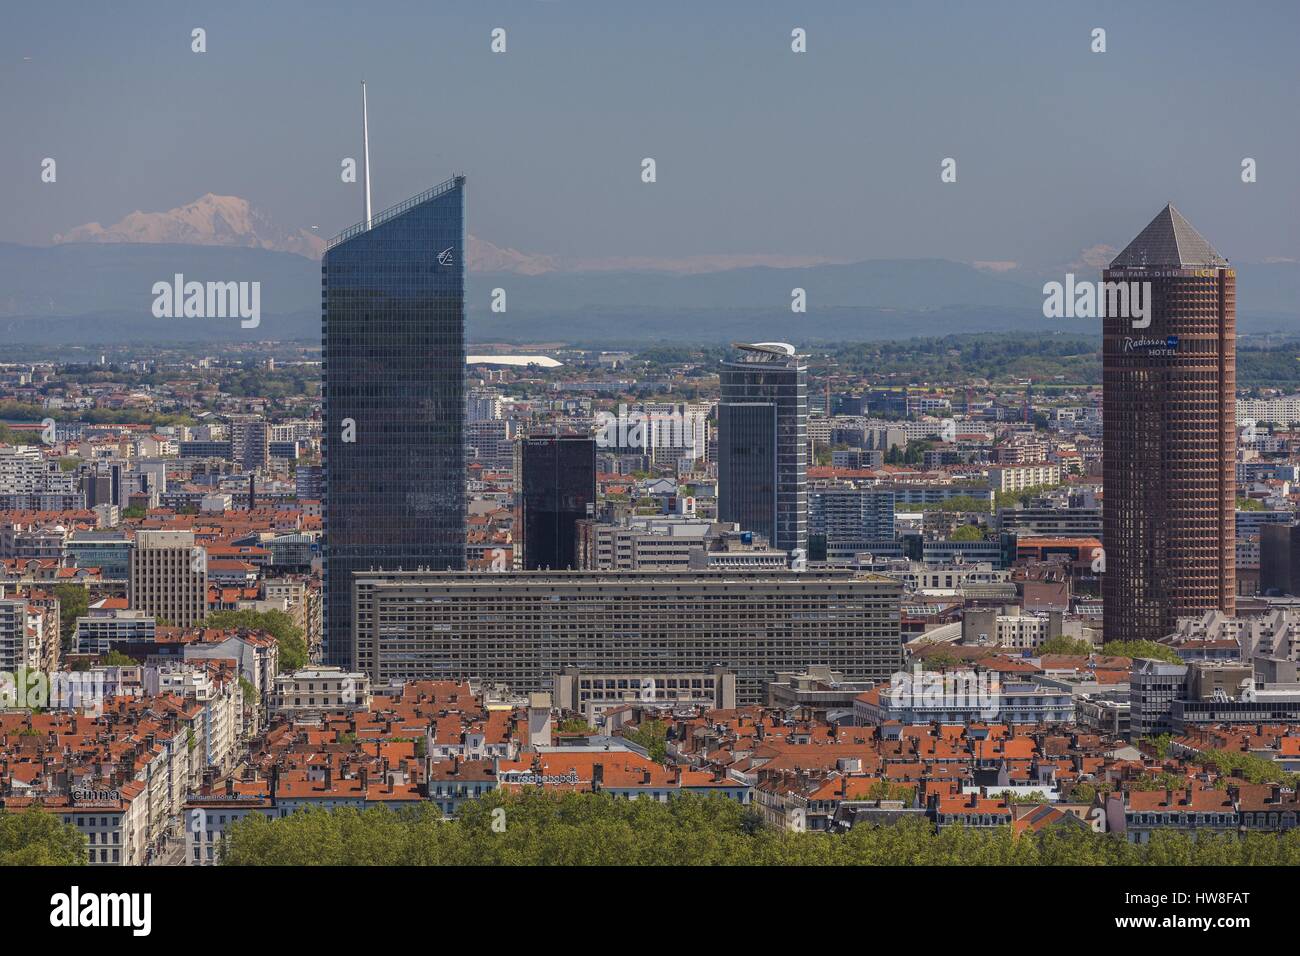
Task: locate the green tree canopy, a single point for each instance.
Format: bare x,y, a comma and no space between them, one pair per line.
545,828
1159,652
1067,646
293,646
74,600
652,735
33,837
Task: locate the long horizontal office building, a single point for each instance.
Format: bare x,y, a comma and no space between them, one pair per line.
1052,522
523,627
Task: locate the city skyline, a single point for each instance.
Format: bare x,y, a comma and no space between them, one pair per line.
849,468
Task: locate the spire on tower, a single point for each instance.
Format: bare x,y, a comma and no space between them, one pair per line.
365,140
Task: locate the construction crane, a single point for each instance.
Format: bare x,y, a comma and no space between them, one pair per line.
825,365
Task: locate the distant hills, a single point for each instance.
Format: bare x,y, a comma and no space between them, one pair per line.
76,279
229,221
100,292
210,220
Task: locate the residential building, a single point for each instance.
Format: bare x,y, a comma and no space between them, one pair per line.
318,690
1020,477
169,577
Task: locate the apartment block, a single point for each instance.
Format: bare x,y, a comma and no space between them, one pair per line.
102,631
317,690
1020,477
169,577
520,628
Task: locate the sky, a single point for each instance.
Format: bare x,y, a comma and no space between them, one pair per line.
831,153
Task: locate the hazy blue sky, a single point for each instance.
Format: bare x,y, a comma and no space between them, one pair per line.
832,153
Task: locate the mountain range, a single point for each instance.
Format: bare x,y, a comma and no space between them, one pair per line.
93,285
213,220
209,220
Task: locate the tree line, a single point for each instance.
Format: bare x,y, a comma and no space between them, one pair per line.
537,828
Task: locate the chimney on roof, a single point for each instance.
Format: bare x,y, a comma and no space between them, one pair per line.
275,782
597,777
1169,796
329,775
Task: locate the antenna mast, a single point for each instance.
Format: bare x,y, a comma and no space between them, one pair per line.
365,139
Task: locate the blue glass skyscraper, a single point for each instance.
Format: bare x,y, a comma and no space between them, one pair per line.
763,443
393,330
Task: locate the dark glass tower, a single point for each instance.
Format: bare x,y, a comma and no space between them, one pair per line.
393,377
763,444
558,486
1169,445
